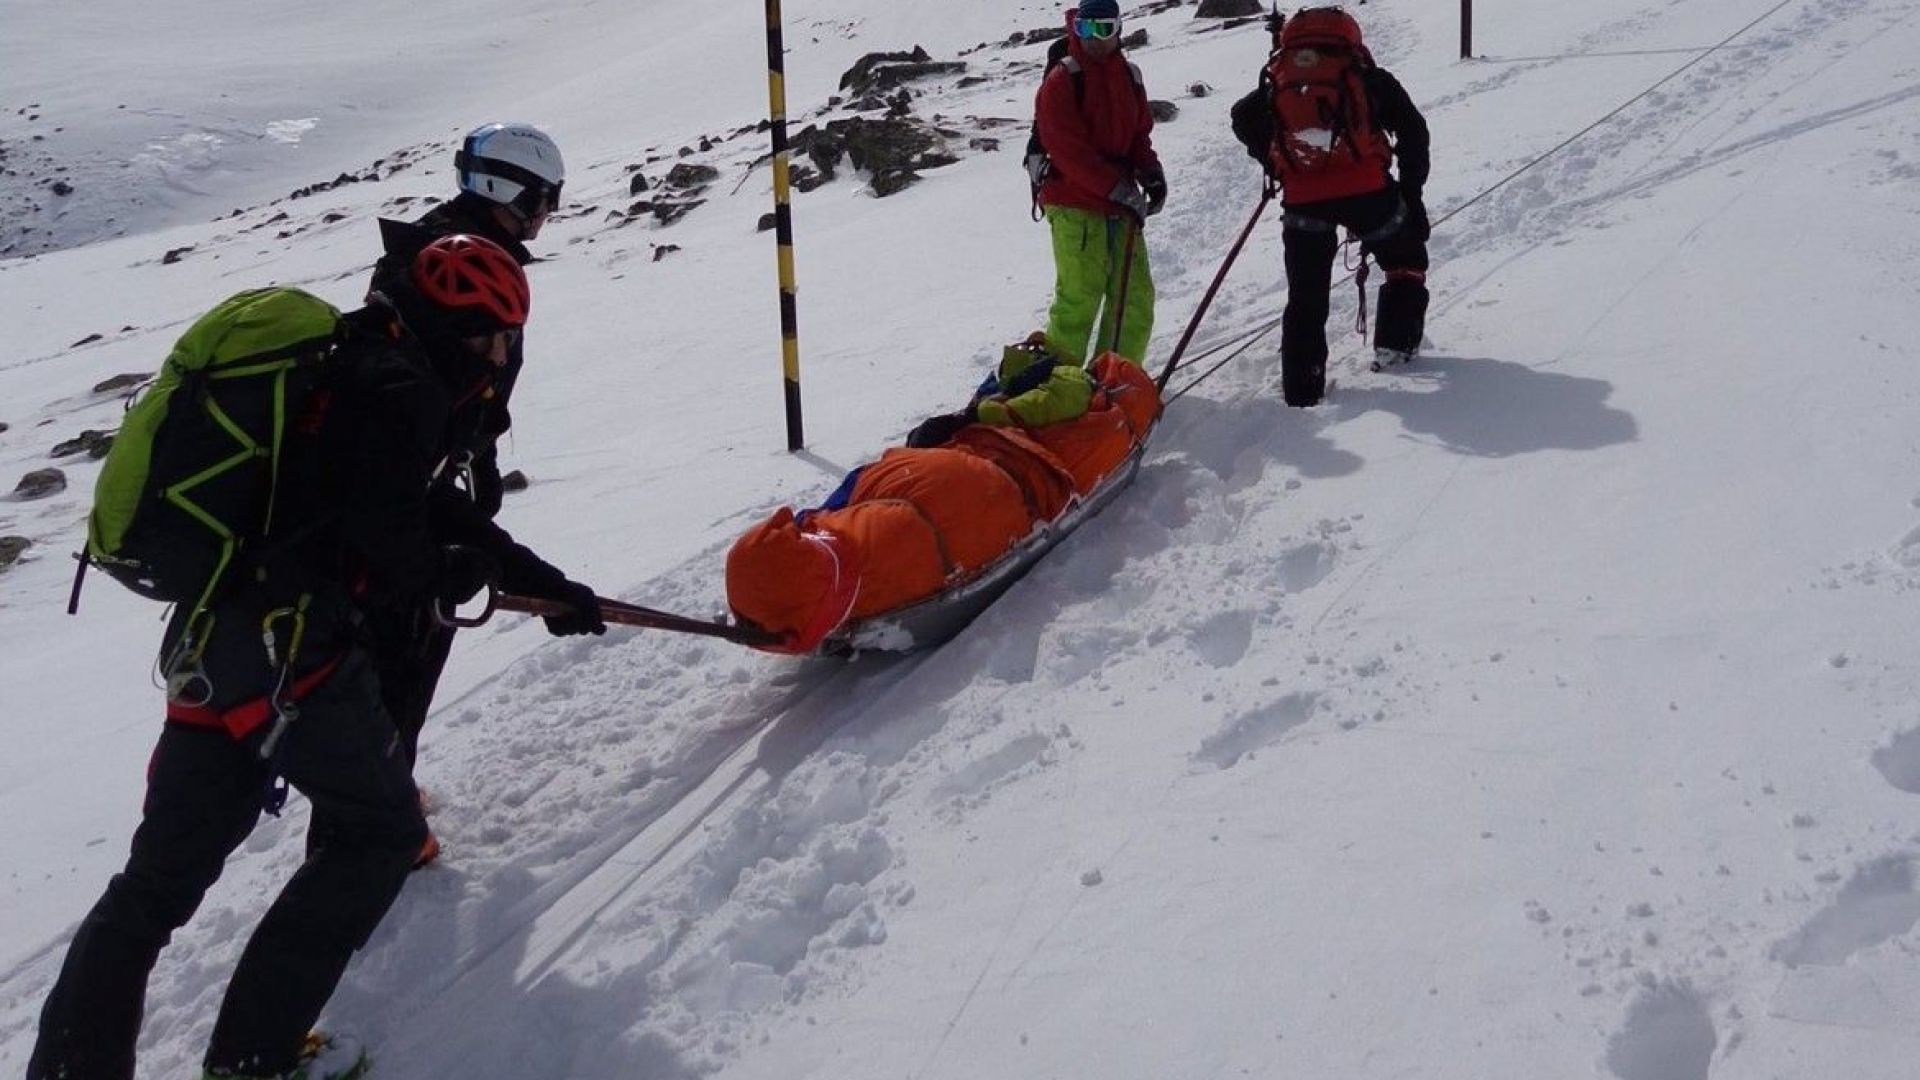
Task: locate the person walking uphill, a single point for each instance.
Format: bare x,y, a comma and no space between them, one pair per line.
1328,125
1102,183
270,678
509,178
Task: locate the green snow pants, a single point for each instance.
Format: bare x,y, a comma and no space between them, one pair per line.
1087,250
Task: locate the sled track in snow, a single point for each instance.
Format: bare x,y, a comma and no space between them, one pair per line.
559,915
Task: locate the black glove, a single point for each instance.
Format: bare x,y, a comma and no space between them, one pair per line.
585,617
1129,196
1153,184
464,571
1417,225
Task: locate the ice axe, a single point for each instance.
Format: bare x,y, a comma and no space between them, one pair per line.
619,613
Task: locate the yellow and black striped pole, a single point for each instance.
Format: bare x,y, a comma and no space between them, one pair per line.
783,223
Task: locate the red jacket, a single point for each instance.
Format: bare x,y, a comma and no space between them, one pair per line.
1096,137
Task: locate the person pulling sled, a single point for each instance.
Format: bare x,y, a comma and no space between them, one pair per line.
1328,125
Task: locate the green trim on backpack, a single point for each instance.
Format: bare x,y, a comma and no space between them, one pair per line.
193,475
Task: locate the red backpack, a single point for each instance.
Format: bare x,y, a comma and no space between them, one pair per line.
1326,143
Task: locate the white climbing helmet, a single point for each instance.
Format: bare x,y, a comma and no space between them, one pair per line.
515,165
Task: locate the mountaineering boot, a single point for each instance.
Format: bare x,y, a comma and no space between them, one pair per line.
323,1057
429,848
1385,358
1303,384
429,851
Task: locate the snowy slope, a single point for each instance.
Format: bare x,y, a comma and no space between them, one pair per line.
1546,710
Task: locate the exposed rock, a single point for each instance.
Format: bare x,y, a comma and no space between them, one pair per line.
1163,111
767,221
664,250
173,255
11,548
685,177
892,76
1135,40
3,427
88,340
62,188
514,481
806,179
1228,9
855,77
983,144
893,181
94,444
879,145
644,206
121,382
669,212
1035,37
639,184
1199,89
823,147
332,217
40,483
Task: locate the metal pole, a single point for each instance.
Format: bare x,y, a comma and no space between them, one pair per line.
1206,301
1126,278
1466,29
783,224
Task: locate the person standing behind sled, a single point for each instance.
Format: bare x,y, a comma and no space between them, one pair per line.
1100,181
1327,124
353,533
510,177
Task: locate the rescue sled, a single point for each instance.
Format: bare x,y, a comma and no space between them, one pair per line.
933,621
920,541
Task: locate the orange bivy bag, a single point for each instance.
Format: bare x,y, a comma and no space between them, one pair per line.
918,522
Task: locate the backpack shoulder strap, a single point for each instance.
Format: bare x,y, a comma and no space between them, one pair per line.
1079,76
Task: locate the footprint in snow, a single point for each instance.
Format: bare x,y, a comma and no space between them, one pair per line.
1907,551
1667,1035
1250,731
1878,903
1899,761
1222,639
1305,565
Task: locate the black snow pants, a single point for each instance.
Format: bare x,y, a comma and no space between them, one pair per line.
1311,238
411,650
203,797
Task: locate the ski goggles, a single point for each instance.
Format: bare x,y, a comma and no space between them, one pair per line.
1099,29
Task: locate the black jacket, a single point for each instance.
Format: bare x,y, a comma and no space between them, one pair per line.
476,453
362,519
1392,109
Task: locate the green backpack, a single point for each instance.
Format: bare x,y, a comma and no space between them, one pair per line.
192,477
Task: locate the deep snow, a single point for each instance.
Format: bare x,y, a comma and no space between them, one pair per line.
1545,710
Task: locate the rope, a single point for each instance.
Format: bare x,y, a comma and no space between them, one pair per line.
1263,329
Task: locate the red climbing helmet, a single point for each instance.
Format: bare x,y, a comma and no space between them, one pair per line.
473,277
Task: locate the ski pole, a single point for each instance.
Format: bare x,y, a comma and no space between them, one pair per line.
1206,301
1126,276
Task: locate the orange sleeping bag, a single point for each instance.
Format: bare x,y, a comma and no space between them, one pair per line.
920,521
